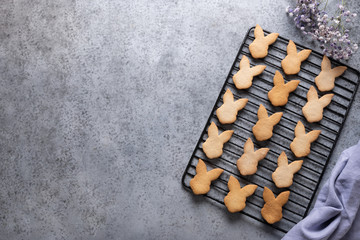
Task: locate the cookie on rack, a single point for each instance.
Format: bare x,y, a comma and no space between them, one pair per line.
259,47
248,162
236,198
301,144
213,146
325,81
279,94
263,129
243,78
200,184
313,109
272,210
228,111
292,62
284,173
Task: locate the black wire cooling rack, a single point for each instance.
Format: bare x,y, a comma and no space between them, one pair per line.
307,180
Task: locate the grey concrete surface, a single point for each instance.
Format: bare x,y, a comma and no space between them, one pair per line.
101,105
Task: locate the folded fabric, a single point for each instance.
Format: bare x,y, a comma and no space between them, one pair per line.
336,212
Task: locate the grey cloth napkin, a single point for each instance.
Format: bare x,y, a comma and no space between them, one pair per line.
336,212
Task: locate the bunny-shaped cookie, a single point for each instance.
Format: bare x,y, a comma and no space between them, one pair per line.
284,173
236,198
200,184
228,111
292,62
263,129
213,146
301,144
259,47
313,109
272,210
243,78
279,94
248,162
325,81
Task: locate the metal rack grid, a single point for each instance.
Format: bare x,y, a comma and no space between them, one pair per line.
307,180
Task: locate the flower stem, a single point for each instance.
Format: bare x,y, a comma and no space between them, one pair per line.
325,5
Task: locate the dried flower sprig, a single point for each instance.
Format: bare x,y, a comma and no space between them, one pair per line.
331,32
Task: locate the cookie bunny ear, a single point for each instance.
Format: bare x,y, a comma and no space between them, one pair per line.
313,135
228,96
262,113
292,85
201,167
278,79
268,195
337,71
299,129
225,136
312,94
214,174
249,146
258,69
261,153
282,160
271,38
275,118
326,99
304,54
233,184
244,62
325,64
258,33
282,198
241,103
249,190
291,48
213,130
295,166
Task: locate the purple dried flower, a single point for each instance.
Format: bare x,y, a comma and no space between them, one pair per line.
328,30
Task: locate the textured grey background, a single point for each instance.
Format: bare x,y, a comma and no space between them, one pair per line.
101,105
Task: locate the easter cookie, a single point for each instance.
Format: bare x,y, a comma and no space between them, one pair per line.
248,162
213,146
301,144
292,62
279,94
325,81
228,111
259,47
284,173
243,78
200,184
263,129
313,109
272,210
236,198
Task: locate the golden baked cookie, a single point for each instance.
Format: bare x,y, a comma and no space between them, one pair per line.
272,210
200,184
243,78
313,109
236,198
228,111
325,81
301,144
263,129
292,62
213,146
248,162
279,94
284,173
259,47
